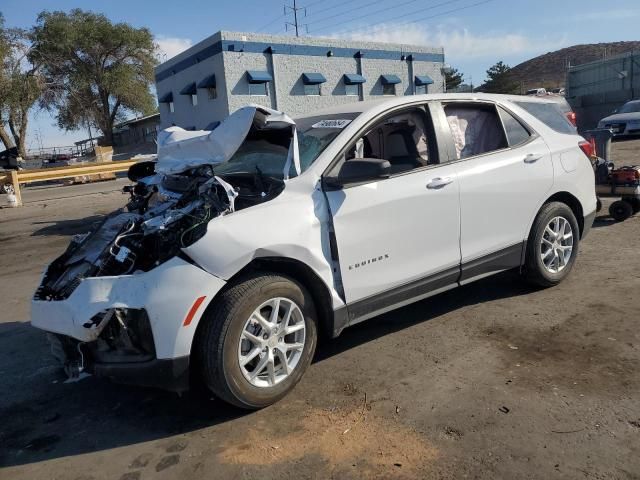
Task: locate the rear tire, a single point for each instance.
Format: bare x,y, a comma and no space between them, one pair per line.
635,204
620,210
224,341
552,246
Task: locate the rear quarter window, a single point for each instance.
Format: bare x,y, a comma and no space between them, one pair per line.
550,114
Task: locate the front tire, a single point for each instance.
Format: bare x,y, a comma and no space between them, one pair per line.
258,340
552,246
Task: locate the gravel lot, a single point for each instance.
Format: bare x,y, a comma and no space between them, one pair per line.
492,380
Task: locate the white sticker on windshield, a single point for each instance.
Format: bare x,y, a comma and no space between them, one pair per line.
331,124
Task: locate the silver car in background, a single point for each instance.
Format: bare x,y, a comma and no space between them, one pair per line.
625,121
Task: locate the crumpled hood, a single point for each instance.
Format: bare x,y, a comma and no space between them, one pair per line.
621,117
180,150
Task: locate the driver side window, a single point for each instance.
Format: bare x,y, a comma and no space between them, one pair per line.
405,139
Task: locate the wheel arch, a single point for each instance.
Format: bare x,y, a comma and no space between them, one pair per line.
290,267
572,202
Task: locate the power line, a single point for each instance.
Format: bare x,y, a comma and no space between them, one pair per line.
388,20
309,5
393,7
295,9
343,3
281,16
445,13
346,11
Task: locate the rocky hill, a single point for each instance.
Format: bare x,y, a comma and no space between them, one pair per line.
550,69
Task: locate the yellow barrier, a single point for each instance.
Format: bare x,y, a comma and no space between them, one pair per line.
16,178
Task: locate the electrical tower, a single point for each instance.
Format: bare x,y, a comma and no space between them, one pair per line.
295,9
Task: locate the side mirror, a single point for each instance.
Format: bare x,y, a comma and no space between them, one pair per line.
358,170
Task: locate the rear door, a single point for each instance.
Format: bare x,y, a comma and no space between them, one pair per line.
397,238
504,170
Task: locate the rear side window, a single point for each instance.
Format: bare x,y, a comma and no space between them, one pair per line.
550,114
516,132
476,128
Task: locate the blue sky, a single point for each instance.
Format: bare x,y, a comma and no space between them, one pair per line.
473,38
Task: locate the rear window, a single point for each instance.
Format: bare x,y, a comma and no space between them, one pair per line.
517,134
550,114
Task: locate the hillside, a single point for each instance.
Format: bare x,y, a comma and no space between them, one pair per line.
549,70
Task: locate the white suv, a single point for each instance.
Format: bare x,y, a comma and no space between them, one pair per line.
240,245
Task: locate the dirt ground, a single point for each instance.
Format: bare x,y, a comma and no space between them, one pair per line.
494,380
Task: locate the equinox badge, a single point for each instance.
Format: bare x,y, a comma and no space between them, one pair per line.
369,261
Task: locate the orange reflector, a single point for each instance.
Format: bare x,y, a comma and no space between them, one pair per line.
193,310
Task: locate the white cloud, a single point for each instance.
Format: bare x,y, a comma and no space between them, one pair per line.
459,43
171,46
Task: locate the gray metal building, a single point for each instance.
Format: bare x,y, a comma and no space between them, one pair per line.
595,89
228,70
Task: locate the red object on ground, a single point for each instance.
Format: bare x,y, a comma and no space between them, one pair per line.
625,176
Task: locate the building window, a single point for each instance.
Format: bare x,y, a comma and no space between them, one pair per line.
213,94
389,89
352,89
194,99
171,108
312,90
258,89
421,89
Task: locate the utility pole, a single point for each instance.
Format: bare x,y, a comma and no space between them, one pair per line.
295,10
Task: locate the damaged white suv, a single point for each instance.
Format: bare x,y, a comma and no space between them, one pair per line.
238,246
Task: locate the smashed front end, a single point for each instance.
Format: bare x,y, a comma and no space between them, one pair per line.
123,301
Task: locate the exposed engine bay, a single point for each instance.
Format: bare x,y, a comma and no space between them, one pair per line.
174,198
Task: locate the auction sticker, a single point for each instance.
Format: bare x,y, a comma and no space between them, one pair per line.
331,124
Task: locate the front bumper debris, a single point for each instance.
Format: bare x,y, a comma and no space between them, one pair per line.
166,293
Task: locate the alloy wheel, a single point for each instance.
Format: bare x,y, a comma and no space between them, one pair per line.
272,342
556,244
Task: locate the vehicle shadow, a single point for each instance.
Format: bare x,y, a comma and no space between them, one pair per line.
603,221
44,418
503,285
67,227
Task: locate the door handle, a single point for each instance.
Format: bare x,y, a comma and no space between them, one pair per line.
532,157
439,182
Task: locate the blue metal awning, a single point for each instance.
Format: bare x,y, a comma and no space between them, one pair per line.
208,82
389,79
313,78
166,98
423,80
256,76
353,78
189,89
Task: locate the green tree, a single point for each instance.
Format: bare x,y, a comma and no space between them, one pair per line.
4,84
500,80
21,85
98,70
453,78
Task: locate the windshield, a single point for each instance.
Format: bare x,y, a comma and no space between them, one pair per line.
266,150
630,107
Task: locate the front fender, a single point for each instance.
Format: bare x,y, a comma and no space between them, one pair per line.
292,226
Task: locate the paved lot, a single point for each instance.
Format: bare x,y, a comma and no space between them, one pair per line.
492,380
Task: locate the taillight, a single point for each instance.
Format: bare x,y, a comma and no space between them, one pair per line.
571,116
589,148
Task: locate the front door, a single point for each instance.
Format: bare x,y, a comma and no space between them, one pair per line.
397,238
